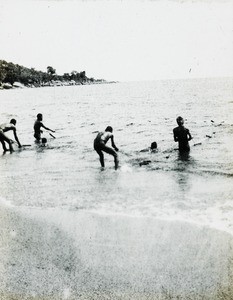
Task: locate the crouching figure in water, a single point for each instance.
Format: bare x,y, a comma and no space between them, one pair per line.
100,146
3,138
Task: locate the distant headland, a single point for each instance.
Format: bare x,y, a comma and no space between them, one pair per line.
16,76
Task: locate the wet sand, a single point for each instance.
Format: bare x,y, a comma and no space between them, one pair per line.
76,255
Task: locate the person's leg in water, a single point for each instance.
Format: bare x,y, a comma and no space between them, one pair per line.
37,137
3,138
3,146
113,153
100,155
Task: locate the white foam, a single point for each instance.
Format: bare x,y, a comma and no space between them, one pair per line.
66,293
5,202
126,169
13,233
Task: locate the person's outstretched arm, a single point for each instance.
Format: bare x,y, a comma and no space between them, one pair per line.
16,138
189,136
42,125
113,144
175,136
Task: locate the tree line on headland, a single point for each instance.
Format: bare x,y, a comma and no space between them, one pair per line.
14,75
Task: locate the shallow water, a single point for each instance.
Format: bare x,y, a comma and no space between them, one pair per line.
67,175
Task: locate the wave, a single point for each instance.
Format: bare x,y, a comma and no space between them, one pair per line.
170,165
214,172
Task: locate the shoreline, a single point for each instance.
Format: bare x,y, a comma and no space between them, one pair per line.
18,85
65,255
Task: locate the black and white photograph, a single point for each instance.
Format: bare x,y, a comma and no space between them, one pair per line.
116,153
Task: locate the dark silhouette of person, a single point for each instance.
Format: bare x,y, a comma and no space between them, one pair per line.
3,138
182,135
37,128
100,146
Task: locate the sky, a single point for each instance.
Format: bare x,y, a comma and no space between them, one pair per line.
120,40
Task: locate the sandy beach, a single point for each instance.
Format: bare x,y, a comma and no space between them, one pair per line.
53,254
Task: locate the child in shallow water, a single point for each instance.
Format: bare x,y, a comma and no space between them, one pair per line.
43,142
3,138
182,135
37,128
152,148
100,146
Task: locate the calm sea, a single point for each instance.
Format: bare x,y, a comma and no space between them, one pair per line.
66,174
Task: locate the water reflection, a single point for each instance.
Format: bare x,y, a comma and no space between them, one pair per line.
184,156
183,167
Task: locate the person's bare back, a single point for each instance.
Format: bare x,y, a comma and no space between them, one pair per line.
182,135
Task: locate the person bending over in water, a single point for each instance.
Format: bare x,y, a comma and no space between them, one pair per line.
3,138
100,146
182,135
37,127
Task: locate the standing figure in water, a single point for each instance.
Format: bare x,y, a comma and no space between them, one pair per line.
37,127
182,135
3,138
100,146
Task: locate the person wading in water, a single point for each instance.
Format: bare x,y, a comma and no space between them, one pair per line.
100,146
182,135
37,127
3,138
